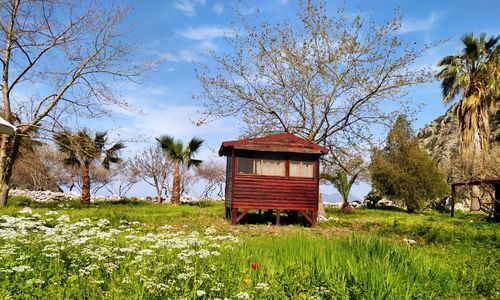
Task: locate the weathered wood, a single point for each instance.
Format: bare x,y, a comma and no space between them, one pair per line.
234,215
240,216
229,181
250,191
275,193
307,216
314,216
283,142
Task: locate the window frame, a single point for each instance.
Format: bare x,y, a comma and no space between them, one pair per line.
287,157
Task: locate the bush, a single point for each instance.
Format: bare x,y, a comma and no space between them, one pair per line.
402,171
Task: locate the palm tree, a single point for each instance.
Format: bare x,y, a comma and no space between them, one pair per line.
343,184
180,154
475,76
82,150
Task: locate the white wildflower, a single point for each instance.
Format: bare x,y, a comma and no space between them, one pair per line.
242,295
26,211
22,269
103,222
63,219
200,293
210,230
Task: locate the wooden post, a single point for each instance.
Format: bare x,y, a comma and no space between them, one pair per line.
314,214
452,200
278,217
260,215
234,215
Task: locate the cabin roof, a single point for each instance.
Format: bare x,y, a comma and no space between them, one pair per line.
282,142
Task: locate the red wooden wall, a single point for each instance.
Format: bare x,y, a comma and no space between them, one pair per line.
272,192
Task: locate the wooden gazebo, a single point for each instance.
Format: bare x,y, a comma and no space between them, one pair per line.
276,173
493,208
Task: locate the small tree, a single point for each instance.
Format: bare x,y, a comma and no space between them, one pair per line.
213,174
123,178
82,150
343,184
152,167
403,171
180,154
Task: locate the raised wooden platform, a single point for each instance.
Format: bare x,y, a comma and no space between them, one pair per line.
235,215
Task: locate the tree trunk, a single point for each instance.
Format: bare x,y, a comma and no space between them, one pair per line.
176,188
4,184
321,206
158,196
158,190
346,206
7,159
86,184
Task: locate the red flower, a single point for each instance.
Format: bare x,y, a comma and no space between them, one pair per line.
254,266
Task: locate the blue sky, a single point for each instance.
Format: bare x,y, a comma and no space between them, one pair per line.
180,32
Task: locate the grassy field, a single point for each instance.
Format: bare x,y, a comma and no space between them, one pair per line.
147,251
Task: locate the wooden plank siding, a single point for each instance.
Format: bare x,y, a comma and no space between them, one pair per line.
263,185
272,192
228,193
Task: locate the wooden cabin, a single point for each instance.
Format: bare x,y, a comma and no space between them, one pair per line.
275,173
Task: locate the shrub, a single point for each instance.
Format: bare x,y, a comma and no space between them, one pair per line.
402,171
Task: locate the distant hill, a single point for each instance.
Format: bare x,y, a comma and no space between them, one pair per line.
336,197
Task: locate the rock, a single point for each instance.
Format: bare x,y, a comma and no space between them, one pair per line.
384,202
409,242
321,219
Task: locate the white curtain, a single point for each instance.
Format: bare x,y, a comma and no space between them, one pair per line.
301,169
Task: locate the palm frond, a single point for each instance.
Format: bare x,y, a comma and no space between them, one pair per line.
111,155
63,141
491,43
170,147
194,163
72,161
100,140
195,144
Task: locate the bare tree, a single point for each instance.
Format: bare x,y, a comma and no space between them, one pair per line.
99,177
152,166
213,173
72,51
124,177
335,81
32,170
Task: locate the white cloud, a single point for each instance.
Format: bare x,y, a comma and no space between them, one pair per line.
218,8
205,33
207,46
188,7
175,120
180,56
413,25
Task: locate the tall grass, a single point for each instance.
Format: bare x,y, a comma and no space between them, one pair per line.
353,256
355,267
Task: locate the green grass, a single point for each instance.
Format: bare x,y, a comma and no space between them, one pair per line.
351,256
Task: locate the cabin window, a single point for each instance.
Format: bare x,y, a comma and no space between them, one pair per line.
261,166
301,169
